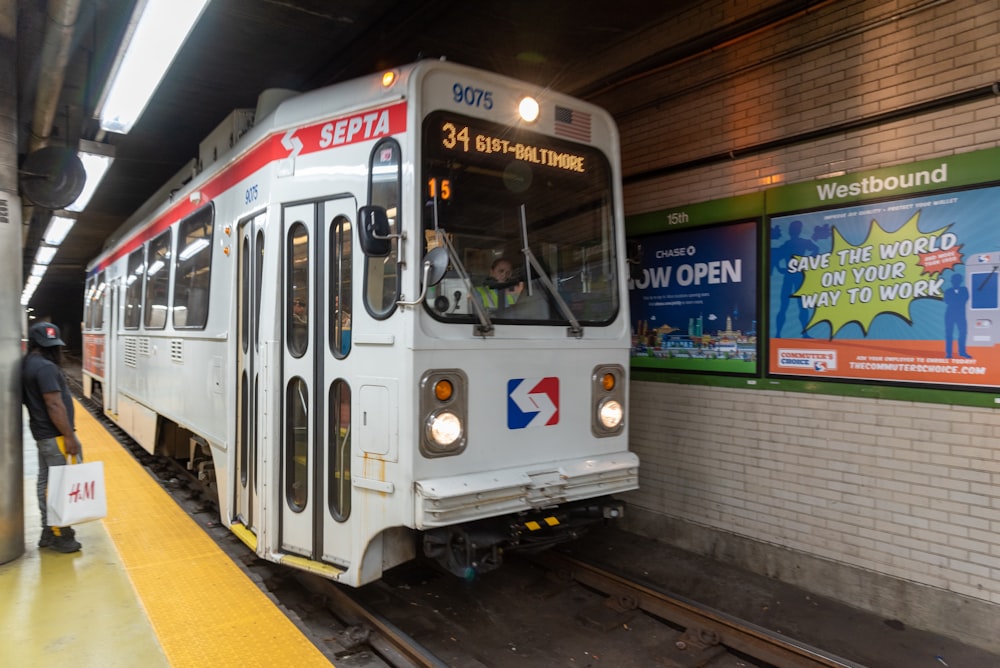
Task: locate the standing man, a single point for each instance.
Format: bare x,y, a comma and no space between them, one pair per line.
50,417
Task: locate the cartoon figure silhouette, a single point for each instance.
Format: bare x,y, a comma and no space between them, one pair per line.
955,298
795,246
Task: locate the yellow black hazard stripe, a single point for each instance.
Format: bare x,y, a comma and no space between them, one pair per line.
537,526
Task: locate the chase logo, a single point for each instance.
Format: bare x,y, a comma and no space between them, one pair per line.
532,402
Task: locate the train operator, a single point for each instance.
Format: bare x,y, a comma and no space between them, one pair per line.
499,290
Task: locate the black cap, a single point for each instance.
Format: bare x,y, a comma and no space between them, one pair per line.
45,334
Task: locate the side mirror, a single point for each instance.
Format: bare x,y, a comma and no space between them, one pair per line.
436,262
374,231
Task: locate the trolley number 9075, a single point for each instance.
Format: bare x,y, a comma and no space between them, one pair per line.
474,97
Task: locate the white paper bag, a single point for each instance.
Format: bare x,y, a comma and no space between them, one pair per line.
76,494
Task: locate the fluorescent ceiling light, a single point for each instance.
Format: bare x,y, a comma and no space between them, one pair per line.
45,254
39,269
193,248
156,32
59,227
95,165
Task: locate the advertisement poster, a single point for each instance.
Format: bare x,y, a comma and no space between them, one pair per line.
903,290
694,307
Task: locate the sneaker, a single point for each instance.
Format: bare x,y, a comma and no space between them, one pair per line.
47,537
64,544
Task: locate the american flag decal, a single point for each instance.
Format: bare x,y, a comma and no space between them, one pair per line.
572,124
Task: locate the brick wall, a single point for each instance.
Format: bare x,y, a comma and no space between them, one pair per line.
901,488
905,490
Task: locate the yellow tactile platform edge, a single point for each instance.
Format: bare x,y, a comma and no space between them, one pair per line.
204,609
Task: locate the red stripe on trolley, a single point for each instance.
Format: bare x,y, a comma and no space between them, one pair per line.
322,136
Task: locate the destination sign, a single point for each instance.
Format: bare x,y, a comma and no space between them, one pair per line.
460,137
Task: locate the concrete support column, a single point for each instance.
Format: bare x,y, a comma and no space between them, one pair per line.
11,313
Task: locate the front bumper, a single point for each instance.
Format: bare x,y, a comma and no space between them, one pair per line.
466,498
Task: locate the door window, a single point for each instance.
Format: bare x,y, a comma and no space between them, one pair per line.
297,311
297,444
340,450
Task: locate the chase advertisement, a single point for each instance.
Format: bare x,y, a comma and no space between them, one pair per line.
694,306
904,290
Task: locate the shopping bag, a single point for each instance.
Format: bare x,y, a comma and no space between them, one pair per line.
76,494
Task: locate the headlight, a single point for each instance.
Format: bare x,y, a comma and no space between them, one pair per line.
607,400
444,412
610,414
443,429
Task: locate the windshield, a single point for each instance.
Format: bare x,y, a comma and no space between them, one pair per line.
488,187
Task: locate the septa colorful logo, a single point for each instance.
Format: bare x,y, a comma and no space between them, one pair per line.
532,402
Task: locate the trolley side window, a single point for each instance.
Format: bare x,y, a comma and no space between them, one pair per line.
297,282
381,280
157,282
339,457
340,286
192,278
88,300
133,288
97,310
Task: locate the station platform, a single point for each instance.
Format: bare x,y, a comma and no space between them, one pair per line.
149,587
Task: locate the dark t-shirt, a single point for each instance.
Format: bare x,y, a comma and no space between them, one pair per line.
40,376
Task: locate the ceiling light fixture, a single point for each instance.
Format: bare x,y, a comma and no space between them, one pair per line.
59,227
155,34
96,159
45,254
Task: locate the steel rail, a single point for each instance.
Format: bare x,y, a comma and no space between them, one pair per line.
733,633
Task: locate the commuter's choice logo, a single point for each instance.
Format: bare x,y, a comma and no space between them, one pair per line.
532,402
816,360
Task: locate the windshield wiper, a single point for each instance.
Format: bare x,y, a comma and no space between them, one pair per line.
485,326
574,329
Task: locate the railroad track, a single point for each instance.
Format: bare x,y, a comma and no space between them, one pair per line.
707,632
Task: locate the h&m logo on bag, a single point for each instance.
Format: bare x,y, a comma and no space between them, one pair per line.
83,492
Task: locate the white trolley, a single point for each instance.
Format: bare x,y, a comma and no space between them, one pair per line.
307,317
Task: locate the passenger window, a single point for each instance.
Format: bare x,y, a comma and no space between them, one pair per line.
339,473
88,300
381,281
157,282
97,312
340,286
194,270
297,444
133,289
297,280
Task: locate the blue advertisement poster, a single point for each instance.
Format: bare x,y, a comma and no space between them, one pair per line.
900,290
694,307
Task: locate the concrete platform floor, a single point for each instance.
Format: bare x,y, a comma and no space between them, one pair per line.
71,609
